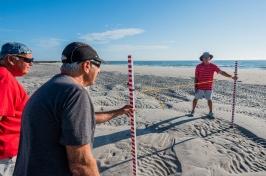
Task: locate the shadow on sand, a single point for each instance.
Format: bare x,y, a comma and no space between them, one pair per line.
155,128
166,125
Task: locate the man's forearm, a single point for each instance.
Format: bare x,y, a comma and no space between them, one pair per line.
195,83
84,169
105,116
225,74
81,161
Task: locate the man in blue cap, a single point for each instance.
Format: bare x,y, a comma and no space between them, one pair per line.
15,60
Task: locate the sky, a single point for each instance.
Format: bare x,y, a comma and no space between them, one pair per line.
146,29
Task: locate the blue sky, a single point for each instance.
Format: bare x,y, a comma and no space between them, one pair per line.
147,29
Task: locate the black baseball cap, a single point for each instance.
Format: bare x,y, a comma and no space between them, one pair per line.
78,52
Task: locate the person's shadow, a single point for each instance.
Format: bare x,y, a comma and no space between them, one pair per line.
155,128
165,125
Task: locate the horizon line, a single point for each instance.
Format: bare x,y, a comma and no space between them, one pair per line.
163,60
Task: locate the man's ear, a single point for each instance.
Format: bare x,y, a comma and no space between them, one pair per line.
86,66
10,60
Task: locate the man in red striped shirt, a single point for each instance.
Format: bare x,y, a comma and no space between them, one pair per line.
203,81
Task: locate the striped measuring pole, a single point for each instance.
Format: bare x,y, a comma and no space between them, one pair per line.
132,115
234,97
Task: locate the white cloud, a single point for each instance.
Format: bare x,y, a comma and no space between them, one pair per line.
111,35
49,42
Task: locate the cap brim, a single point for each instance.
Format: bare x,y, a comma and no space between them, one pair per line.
101,60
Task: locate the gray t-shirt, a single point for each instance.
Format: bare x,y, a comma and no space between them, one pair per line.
59,113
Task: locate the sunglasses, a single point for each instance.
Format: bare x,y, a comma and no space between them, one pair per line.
24,59
96,63
93,62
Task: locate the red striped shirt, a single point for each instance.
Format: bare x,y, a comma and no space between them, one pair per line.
204,73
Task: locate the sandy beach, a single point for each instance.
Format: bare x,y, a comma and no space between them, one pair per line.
169,142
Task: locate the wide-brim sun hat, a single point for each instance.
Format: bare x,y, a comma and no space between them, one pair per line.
206,55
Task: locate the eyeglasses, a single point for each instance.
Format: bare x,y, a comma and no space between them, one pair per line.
25,59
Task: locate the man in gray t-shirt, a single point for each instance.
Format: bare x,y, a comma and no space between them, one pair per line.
59,120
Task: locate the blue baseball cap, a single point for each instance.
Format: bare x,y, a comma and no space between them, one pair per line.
14,48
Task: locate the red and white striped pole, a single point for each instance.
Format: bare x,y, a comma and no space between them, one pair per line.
234,97
132,115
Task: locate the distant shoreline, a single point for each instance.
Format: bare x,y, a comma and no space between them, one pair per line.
243,64
47,62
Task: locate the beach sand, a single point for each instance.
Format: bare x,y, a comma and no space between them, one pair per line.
169,142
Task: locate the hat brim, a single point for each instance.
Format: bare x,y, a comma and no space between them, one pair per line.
24,55
201,57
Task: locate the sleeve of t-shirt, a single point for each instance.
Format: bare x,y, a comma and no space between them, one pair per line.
7,102
76,122
216,69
